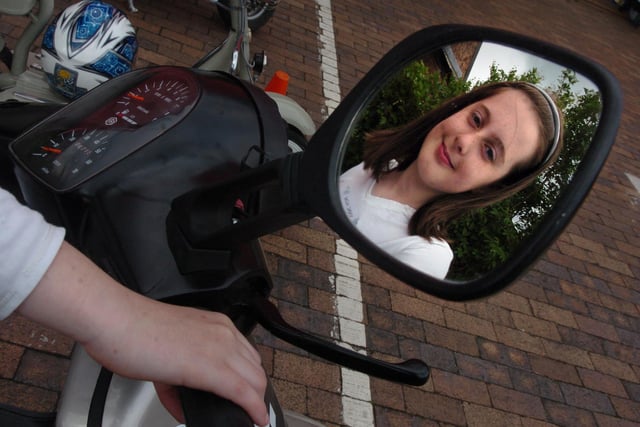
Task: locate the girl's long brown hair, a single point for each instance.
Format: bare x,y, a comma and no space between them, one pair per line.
403,145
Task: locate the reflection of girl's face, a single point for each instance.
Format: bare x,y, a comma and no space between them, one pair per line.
479,145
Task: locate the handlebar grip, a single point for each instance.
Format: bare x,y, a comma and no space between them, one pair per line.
203,409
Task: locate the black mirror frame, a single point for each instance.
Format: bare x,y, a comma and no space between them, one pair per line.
318,177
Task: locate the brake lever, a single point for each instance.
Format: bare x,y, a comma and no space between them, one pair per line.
412,371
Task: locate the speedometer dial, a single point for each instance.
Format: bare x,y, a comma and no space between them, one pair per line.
151,100
107,124
70,152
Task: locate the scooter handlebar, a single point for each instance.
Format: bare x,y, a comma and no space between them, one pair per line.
203,409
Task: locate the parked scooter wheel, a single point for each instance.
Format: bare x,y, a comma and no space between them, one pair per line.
258,13
297,141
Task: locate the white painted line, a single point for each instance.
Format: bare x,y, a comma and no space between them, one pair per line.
352,332
357,409
328,57
347,267
357,413
634,180
351,309
352,385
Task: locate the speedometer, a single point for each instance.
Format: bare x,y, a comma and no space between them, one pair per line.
106,125
69,152
151,100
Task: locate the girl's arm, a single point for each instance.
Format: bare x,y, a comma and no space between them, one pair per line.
140,338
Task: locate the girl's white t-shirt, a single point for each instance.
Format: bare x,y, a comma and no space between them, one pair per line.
28,245
385,223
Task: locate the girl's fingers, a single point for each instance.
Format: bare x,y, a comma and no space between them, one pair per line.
243,393
229,366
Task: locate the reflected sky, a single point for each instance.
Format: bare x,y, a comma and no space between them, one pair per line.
507,59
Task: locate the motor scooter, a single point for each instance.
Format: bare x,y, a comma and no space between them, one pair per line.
26,81
258,12
172,203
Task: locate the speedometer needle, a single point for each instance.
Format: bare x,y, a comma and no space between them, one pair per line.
136,97
52,150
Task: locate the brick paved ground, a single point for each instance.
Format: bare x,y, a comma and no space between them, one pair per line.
560,347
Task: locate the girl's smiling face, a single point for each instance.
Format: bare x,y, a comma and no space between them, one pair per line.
478,145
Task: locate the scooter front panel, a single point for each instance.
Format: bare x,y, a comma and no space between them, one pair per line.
90,135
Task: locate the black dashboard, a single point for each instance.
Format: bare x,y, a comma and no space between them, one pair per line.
83,139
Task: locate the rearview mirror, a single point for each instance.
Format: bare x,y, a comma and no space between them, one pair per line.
486,248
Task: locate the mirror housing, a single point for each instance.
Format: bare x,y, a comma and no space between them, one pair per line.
321,162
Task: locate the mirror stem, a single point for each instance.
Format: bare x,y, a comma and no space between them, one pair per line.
205,224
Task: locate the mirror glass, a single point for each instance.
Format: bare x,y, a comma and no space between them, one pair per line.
391,211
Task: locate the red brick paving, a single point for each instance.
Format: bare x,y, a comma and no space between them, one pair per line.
560,347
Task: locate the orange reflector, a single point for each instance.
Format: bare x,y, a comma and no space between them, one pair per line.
279,83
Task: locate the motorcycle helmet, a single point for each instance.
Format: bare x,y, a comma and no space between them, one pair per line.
86,44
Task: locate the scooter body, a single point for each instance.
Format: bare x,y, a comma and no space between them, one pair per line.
129,403
131,155
234,56
132,402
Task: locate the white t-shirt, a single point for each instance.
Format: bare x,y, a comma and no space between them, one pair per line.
28,245
385,223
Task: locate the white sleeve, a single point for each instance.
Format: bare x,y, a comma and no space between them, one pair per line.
353,187
28,245
430,257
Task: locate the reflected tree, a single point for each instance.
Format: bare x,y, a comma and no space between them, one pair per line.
484,239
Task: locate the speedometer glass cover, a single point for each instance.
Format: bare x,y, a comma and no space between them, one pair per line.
68,149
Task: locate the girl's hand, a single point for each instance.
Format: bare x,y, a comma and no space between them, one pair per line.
186,347
144,339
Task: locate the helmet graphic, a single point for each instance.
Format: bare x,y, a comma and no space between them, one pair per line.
86,44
